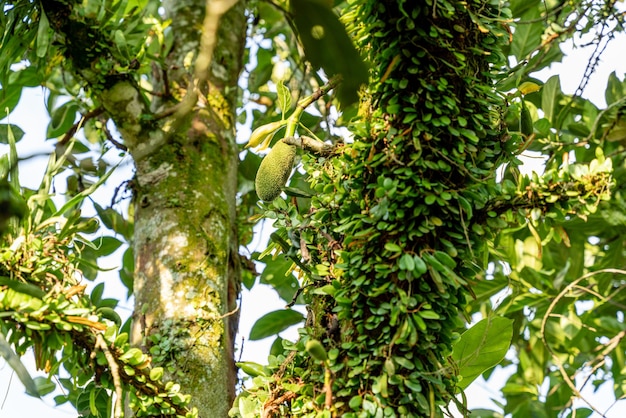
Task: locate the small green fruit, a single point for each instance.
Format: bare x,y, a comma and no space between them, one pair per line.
274,171
316,350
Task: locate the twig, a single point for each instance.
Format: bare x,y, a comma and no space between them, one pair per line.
309,144
89,115
544,321
231,313
601,358
114,141
115,373
215,9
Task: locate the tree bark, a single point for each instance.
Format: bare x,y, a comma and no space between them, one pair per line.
181,135
185,242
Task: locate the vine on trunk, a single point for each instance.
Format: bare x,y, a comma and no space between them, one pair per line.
400,218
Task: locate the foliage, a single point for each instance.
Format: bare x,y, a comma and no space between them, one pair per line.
407,218
78,337
45,308
404,221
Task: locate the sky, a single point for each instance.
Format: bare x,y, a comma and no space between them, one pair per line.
30,116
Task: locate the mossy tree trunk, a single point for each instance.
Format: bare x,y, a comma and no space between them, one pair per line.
186,252
396,228
185,241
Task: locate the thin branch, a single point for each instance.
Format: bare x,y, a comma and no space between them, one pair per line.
601,358
544,321
309,144
215,9
70,133
114,141
331,84
115,373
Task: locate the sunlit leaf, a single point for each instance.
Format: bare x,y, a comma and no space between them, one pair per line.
284,98
482,347
43,35
275,322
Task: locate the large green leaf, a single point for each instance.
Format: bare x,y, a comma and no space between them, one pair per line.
274,322
527,35
482,347
550,96
328,46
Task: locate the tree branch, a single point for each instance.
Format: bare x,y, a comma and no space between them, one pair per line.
309,144
89,115
115,373
215,9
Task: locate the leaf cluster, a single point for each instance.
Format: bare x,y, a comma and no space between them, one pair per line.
398,232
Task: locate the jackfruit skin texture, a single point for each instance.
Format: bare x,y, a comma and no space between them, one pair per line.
274,171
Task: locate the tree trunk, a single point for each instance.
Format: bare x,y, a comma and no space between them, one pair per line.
181,135
185,242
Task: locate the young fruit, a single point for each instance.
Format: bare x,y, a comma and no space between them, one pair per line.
274,171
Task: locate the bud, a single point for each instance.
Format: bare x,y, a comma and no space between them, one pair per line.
264,134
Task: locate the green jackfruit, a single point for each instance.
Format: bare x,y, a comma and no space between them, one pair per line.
274,171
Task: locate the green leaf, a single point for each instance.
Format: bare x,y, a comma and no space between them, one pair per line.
113,220
328,46
121,44
156,374
274,322
62,119
14,361
5,128
28,77
394,248
527,36
484,413
43,35
284,98
106,245
482,347
614,89
522,6
25,288
96,294
44,385
252,369
550,96
9,98
277,274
